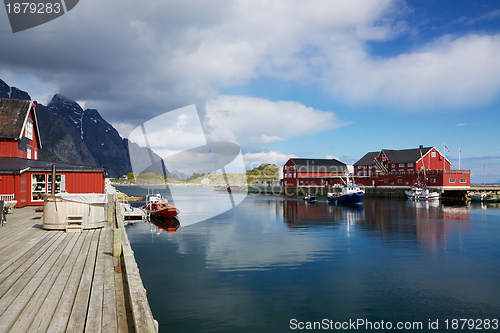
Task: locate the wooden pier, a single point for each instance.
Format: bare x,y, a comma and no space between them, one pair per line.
55,281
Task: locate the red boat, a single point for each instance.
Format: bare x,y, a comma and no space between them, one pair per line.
168,225
158,207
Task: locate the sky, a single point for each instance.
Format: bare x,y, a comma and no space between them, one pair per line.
281,78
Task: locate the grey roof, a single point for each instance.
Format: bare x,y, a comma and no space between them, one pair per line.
367,159
395,156
13,115
15,165
319,165
406,155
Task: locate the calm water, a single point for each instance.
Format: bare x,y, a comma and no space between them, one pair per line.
273,264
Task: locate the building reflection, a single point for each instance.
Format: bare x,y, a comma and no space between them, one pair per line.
432,224
301,214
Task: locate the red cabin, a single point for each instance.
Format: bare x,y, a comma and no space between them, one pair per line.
22,176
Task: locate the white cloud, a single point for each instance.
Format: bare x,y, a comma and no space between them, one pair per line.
451,72
253,160
135,60
243,119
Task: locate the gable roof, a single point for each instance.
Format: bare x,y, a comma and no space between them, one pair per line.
395,156
408,155
367,159
13,116
318,165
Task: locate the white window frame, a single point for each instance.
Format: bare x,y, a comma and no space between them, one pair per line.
28,152
28,131
452,180
463,180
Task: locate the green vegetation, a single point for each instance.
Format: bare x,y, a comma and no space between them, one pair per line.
264,171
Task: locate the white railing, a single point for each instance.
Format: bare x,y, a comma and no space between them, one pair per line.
7,197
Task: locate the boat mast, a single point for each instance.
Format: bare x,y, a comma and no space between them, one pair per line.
423,167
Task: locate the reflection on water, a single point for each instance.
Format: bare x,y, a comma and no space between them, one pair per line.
270,259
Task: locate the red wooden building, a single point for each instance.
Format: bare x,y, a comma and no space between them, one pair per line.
19,135
22,176
298,172
404,168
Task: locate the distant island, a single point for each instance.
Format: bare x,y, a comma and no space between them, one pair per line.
263,171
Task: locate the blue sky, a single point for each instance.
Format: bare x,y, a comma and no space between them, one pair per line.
281,78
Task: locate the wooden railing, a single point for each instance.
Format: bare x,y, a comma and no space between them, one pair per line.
7,197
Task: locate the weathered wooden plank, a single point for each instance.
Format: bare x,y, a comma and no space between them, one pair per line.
76,322
124,319
141,312
20,293
11,235
21,276
109,311
57,320
48,283
17,252
17,221
94,315
13,261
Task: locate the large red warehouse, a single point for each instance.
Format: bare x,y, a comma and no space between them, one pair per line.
22,176
405,167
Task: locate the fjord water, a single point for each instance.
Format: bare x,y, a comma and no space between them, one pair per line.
272,264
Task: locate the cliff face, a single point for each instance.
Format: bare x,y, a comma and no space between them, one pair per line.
102,140
72,135
60,141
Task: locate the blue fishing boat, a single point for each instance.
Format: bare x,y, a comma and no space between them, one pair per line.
350,194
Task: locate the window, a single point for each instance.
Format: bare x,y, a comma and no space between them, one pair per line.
433,180
28,152
410,165
452,180
393,165
294,175
400,181
401,165
463,180
36,154
433,154
37,187
28,132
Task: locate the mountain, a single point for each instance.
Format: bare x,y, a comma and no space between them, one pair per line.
72,135
61,142
101,138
